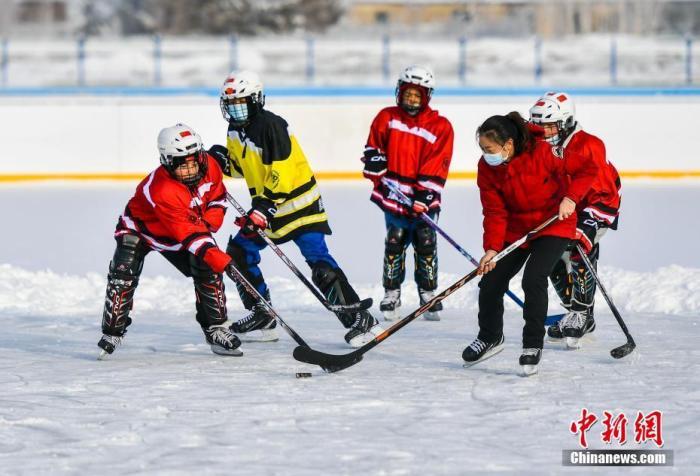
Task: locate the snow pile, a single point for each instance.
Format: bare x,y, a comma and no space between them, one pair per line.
670,290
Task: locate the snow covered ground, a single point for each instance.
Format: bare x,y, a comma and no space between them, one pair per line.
164,404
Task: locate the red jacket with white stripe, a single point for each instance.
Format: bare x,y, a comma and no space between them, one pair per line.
169,216
602,202
519,195
418,151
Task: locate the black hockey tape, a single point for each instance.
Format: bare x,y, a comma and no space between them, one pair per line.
303,374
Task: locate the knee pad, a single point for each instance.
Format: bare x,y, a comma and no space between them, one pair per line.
128,257
425,240
396,240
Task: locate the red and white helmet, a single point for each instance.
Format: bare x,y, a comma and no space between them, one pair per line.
420,76
178,143
241,84
557,108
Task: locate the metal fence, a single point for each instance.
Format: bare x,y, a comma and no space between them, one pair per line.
290,61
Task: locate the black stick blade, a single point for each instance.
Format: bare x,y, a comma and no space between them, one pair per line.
623,351
328,362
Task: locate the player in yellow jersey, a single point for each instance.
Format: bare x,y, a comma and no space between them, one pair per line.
286,203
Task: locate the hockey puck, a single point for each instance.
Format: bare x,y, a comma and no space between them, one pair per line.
303,374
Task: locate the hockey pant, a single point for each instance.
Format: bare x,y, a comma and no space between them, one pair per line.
572,281
404,231
123,278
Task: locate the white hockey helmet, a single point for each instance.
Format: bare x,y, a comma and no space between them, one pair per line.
178,143
555,108
416,75
241,84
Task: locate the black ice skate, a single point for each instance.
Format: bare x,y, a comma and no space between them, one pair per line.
554,331
478,351
363,330
529,360
108,344
222,341
576,325
390,304
258,326
433,313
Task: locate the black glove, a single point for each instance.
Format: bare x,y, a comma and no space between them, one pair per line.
220,154
422,199
375,164
586,230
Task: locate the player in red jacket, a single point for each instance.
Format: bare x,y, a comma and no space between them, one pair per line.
174,211
522,183
597,212
409,144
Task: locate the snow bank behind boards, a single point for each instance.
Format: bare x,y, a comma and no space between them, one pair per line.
670,290
116,135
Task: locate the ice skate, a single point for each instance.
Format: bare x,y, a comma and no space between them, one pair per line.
577,325
390,305
108,344
478,351
433,313
364,329
257,326
529,361
222,341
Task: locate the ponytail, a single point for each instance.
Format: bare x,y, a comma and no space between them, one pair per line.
511,126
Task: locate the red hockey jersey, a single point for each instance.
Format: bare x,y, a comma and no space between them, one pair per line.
418,151
602,202
521,194
169,216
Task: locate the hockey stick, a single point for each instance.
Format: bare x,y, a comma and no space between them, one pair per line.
551,320
354,307
334,362
629,346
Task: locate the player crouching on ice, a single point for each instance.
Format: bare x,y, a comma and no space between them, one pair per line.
410,145
174,211
522,182
286,204
597,211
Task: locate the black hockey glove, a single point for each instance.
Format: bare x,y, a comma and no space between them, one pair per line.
422,199
220,154
375,164
586,230
258,217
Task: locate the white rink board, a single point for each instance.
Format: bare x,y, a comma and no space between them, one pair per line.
116,135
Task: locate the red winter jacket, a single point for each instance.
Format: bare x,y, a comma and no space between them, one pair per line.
418,151
521,194
169,216
602,202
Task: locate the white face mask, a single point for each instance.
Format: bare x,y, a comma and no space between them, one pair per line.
494,159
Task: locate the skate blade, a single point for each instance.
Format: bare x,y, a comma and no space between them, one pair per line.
573,343
268,335
362,339
104,355
432,316
227,352
554,339
487,356
528,370
391,316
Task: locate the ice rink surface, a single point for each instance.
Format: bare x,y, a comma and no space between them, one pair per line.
164,404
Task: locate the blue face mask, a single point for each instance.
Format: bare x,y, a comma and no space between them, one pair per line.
494,159
238,112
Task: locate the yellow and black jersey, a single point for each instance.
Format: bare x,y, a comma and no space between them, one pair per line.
267,155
